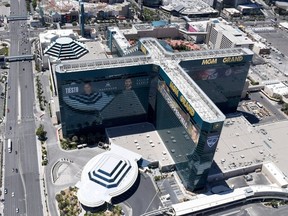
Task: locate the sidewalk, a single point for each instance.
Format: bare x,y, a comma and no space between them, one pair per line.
2,149
38,113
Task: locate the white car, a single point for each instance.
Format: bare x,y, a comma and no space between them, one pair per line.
13,194
17,210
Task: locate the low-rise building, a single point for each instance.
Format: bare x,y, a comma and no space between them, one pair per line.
274,88
190,8
261,49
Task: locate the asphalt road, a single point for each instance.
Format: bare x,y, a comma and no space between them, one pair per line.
20,126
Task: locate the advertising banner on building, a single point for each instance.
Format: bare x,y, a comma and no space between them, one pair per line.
181,100
94,96
184,117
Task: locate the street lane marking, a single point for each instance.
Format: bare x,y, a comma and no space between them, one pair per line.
19,103
231,213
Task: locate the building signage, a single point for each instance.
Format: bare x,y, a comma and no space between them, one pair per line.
225,60
173,107
232,59
212,140
174,89
71,90
184,117
182,99
187,106
209,61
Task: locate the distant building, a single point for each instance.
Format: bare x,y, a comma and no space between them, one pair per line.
274,88
261,49
156,30
189,8
115,38
222,35
151,3
68,11
235,3
231,13
250,9
197,30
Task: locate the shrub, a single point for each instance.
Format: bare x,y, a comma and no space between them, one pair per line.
58,197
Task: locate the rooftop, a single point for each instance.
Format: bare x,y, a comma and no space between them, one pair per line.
143,139
188,6
199,26
64,48
232,33
107,175
277,87
208,201
122,42
51,35
242,144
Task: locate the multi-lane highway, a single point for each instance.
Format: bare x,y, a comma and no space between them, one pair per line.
21,175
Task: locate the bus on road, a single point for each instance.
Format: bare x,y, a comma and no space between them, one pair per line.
9,145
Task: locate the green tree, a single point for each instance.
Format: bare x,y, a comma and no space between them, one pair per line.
41,133
34,4
58,197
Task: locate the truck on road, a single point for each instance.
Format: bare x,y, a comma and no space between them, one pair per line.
9,145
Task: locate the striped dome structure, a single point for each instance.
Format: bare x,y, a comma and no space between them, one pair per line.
65,48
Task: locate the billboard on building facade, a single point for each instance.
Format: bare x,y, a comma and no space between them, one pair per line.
94,96
184,117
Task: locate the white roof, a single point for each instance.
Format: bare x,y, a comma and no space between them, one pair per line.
189,6
141,138
231,10
203,202
234,34
48,36
122,42
107,175
278,87
284,24
276,173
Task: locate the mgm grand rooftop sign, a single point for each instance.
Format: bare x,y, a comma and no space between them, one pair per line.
225,60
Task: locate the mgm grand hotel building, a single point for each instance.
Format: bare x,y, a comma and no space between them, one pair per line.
183,95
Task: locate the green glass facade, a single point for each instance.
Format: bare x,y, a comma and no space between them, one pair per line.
222,83
190,140
91,101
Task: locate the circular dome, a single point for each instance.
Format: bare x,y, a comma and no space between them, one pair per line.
65,48
64,40
106,176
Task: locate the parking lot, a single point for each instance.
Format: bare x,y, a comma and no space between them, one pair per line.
277,39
